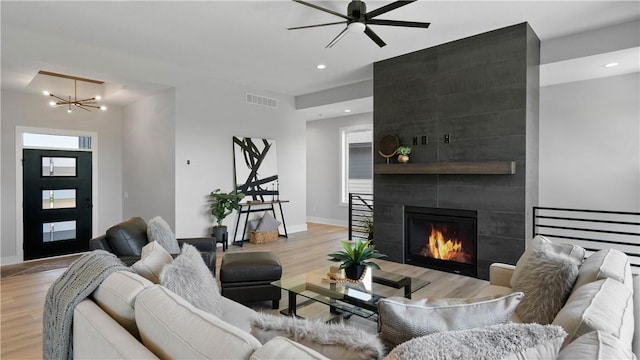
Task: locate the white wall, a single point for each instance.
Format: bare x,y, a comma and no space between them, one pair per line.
323,168
590,144
208,114
148,165
23,109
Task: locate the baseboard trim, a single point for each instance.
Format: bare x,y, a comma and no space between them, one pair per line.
10,260
326,221
296,228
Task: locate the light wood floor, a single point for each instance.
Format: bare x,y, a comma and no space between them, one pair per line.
22,294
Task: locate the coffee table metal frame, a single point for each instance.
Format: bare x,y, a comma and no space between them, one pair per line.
346,299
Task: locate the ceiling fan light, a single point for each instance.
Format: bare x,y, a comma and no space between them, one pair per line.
46,93
98,97
52,103
69,110
356,26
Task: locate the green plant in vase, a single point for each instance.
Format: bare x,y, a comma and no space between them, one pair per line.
403,154
355,258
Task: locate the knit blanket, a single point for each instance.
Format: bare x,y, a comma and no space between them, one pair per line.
74,285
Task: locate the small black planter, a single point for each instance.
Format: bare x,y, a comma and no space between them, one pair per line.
354,272
221,235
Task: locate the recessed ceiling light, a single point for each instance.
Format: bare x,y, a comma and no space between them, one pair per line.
610,65
347,110
321,67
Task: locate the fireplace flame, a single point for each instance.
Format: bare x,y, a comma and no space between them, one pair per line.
444,249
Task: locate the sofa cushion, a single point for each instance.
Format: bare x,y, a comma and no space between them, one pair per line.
596,345
96,335
506,341
401,319
284,349
117,294
335,341
153,259
605,305
236,314
572,251
172,328
546,281
189,277
158,230
128,237
607,263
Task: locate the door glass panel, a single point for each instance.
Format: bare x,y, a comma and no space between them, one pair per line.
48,141
59,199
56,231
58,166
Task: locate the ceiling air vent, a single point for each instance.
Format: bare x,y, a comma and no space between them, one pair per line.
262,100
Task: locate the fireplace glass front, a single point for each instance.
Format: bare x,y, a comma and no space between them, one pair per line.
441,239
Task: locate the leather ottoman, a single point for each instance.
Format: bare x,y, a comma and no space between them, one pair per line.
247,276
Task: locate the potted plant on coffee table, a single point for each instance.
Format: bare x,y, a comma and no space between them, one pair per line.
355,258
223,204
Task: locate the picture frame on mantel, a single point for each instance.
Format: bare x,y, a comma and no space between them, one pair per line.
256,168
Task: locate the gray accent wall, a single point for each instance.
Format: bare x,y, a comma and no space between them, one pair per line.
483,92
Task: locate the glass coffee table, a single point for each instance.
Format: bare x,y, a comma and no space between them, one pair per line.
343,298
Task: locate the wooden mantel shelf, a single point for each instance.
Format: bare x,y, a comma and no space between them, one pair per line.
449,168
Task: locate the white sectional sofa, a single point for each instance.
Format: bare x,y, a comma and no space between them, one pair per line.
602,313
128,317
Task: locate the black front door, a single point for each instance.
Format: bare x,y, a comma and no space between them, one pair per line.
57,204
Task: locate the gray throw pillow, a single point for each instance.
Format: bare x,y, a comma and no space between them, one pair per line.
512,341
190,278
158,230
268,223
401,319
335,341
546,281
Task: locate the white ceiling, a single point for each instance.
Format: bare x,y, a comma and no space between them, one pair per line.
247,41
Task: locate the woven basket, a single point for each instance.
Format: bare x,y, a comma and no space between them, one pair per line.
263,237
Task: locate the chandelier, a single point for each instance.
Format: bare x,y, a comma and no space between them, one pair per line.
73,102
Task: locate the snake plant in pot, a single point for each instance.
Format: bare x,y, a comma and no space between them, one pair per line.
355,258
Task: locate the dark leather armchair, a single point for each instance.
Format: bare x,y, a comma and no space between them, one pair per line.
127,238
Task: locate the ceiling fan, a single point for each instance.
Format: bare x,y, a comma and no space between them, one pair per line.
358,19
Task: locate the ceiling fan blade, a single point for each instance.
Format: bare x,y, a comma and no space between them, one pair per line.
372,35
336,39
398,23
82,107
318,25
379,11
322,9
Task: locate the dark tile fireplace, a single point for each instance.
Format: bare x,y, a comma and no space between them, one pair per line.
442,239
473,100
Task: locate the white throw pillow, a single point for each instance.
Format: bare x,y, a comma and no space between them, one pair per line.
189,277
546,281
153,259
335,341
158,230
572,251
401,319
506,341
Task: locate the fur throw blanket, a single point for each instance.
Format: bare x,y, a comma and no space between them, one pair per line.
74,285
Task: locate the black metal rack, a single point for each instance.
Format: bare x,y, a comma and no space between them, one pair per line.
592,229
360,211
